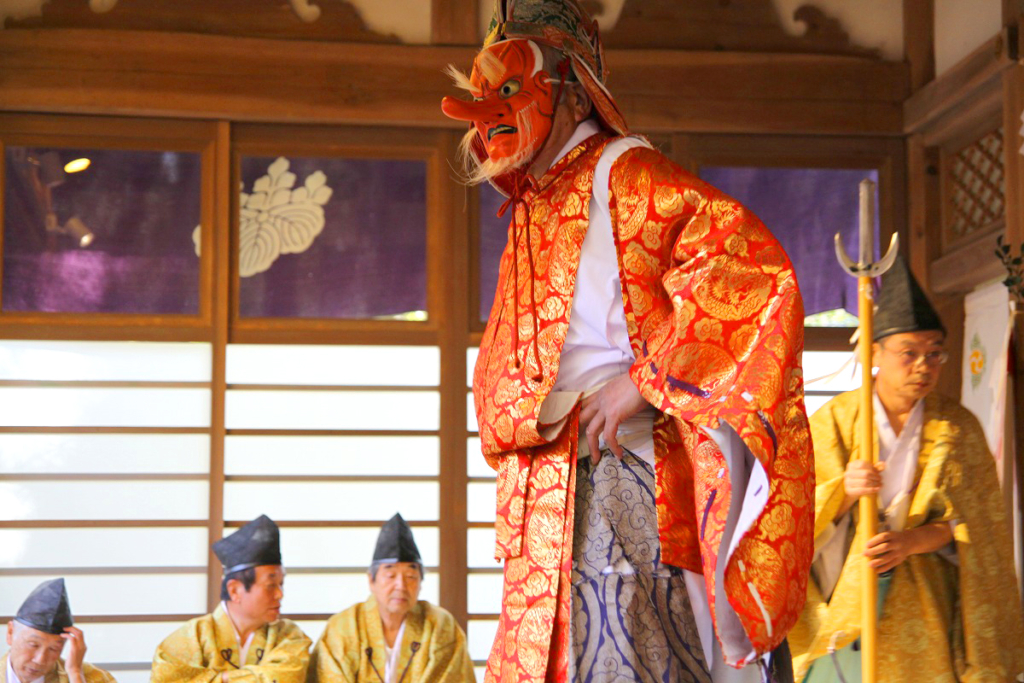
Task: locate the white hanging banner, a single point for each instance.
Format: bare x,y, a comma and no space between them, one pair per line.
986,345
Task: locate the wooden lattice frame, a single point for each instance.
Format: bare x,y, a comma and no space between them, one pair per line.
974,188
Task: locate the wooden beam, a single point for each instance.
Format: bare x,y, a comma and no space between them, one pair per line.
956,88
243,79
454,22
919,41
971,264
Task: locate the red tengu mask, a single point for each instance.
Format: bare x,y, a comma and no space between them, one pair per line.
512,108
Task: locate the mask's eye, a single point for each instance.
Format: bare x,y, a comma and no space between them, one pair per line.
509,88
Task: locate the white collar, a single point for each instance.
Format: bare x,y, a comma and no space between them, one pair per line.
391,654
584,130
243,648
13,677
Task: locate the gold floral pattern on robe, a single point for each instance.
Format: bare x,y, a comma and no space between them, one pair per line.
715,320
940,622
90,673
206,647
440,655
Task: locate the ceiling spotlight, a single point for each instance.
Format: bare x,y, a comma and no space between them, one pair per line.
77,165
79,232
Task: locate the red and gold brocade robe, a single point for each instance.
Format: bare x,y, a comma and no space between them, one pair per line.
715,321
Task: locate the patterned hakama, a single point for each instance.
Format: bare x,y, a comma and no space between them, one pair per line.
631,614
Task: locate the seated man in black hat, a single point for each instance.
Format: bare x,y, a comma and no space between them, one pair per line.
943,551
245,639
393,637
37,635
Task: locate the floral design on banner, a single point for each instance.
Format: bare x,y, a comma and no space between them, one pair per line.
277,218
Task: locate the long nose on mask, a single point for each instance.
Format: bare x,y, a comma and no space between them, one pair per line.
487,109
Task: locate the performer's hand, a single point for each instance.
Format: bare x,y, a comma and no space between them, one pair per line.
888,550
604,411
76,653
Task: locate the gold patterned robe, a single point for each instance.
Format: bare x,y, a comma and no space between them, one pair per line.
440,654
205,647
940,623
90,673
715,321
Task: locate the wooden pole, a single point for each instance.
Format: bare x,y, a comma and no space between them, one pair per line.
865,269
868,524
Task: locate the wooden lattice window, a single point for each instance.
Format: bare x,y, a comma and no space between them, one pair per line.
975,187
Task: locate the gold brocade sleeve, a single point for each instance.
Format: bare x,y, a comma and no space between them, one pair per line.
285,661
180,659
94,674
433,647
831,455
190,655
716,320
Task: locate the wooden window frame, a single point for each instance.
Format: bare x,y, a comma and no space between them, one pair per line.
129,134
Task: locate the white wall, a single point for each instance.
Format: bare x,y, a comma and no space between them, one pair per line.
961,26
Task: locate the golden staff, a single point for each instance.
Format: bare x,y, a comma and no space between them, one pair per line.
865,270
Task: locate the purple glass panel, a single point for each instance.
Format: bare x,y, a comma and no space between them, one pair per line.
493,238
804,208
333,238
116,237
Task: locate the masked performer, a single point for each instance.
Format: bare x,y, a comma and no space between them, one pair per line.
393,637
37,636
245,639
950,609
638,387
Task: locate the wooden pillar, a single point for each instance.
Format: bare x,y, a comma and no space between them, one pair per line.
223,203
1013,107
450,263
919,41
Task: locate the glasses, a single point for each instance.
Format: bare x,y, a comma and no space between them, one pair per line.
910,358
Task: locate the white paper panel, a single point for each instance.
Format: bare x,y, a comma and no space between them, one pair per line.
115,547
29,500
478,671
116,594
819,364
105,453
331,500
346,547
103,407
248,409
332,593
471,423
476,464
134,642
84,360
484,593
313,629
480,499
334,365
480,548
332,455
481,636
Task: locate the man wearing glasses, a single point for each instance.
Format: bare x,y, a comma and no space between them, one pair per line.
949,608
